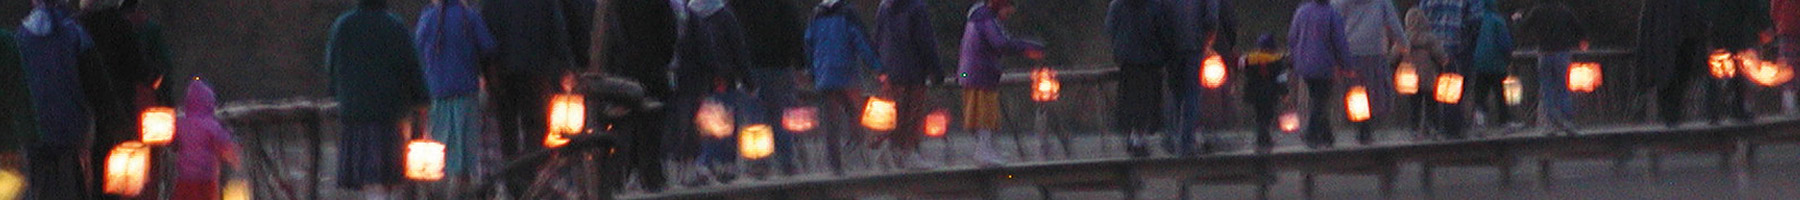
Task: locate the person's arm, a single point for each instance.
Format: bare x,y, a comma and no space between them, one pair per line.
863,50
990,31
1396,31
926,45
1225,39
485,45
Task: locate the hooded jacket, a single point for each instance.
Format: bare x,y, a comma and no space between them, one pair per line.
451,40
775,30
907,43
202,141
374,70
17,127
1372,27
984,42
533,36
837,42
51,43
712,51
1493,44
1143,33
1316,42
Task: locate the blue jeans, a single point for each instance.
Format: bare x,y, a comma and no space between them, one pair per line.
1184,85
1553,87
774,94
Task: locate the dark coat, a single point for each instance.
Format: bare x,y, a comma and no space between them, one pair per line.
642,43
1143,32
1554,26
907,43
1664,26
374,70
775,30
580,20
712,53
1736,23
51,58
533,35
837,42
17,128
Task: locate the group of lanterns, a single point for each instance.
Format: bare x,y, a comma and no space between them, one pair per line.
128,164
1725,64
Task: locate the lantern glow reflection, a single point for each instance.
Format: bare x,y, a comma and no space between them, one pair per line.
1406,79
1584,77
1290,122
878,115
756,142
159,125
1514,91
800,119
127,168
714,119
1212,72
424,160
1356,104
937,123
1449,88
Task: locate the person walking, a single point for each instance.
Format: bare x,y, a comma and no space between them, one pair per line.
18,129
533,51
1372,29
907,44
1673,51
376,77
1316,42
1143,38
451,40
1491,54
776,32
203,144
1264,87
984,42
1558,31
1428,58
119,70
713,58
640,49
1207,27
1735,25
51,43
836,42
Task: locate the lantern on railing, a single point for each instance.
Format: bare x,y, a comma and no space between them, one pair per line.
801,119
1722,64
1406,79
756,141
1045,87
937,123
424,160
1769,74
714,119
1449,88
1513,91
568,114
878,115
1212,72
1356,104
1584,77
159,125
127,168
1290,122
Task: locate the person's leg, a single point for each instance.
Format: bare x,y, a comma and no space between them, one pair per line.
1674,90
839,121
1185,86
1553,93
1265,120
646,156
1318,129
509,109
1789,54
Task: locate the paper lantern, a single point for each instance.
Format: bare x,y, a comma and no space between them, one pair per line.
1045,87
554,140
159,125
127,168
1290,122
1406,79
1212,72
12,184
1514,91
424,160
1356,104
937,123
1449,88
714,119
1584,77
238,189
878,115
1768,74
756,141
1722,64
568,114
801,119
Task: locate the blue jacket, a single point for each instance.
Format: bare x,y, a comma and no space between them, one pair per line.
51,43
1144,32
907,43
984,42
451,39
1316,41
1493,44
836,41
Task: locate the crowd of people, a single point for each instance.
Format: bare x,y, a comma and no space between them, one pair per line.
481,78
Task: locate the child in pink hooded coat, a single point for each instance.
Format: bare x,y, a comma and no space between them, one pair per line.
201,143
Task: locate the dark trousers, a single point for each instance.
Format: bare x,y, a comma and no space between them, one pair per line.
646,131
522,106
1318,125
839,115
1674,88
58,172
1264,108
1487,91
909,105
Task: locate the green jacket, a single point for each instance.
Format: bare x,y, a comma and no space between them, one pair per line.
17,125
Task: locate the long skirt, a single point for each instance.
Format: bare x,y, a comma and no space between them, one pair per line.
456,121
369,154
1139,108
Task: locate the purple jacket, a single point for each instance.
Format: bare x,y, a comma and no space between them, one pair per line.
51,43
450,40
202,141
1316,40
906,42
984,41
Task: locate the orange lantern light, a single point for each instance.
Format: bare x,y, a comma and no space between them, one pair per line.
1406,79
1513,91
238,189
126,169
1449,88
937,123
568,114
1290,122
1356,104
714,119
878,115
1769,74
1722,65
424,160
1045,88
12,184
800,119
1584,76
1212,72
756,142
554,140
159,125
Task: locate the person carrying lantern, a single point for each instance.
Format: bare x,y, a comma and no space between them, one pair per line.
907,44
640,44
1735,25
1316,42
50,43
1558,31
984,42
1491,52
123,73
712,58
533,41
1786,33
775,31
1427,57
1372,29
836,41
451,39
1204,25
203,143
376,77
1264,86
18,129
1142,39
1672,47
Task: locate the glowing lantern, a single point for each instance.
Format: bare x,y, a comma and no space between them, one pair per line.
1356,104
714,119
1768,73
1449,88
1514,91
555,140
126,169
424,160
1722,64
1406,79
1044,85
1212,72
238,190
800,119
1584,76
12,184
159,125
568,113
1290,122
878,115
756,141
937,123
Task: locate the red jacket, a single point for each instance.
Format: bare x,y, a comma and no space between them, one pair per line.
1786,14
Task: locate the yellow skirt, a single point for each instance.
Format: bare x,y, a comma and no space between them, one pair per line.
981,109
